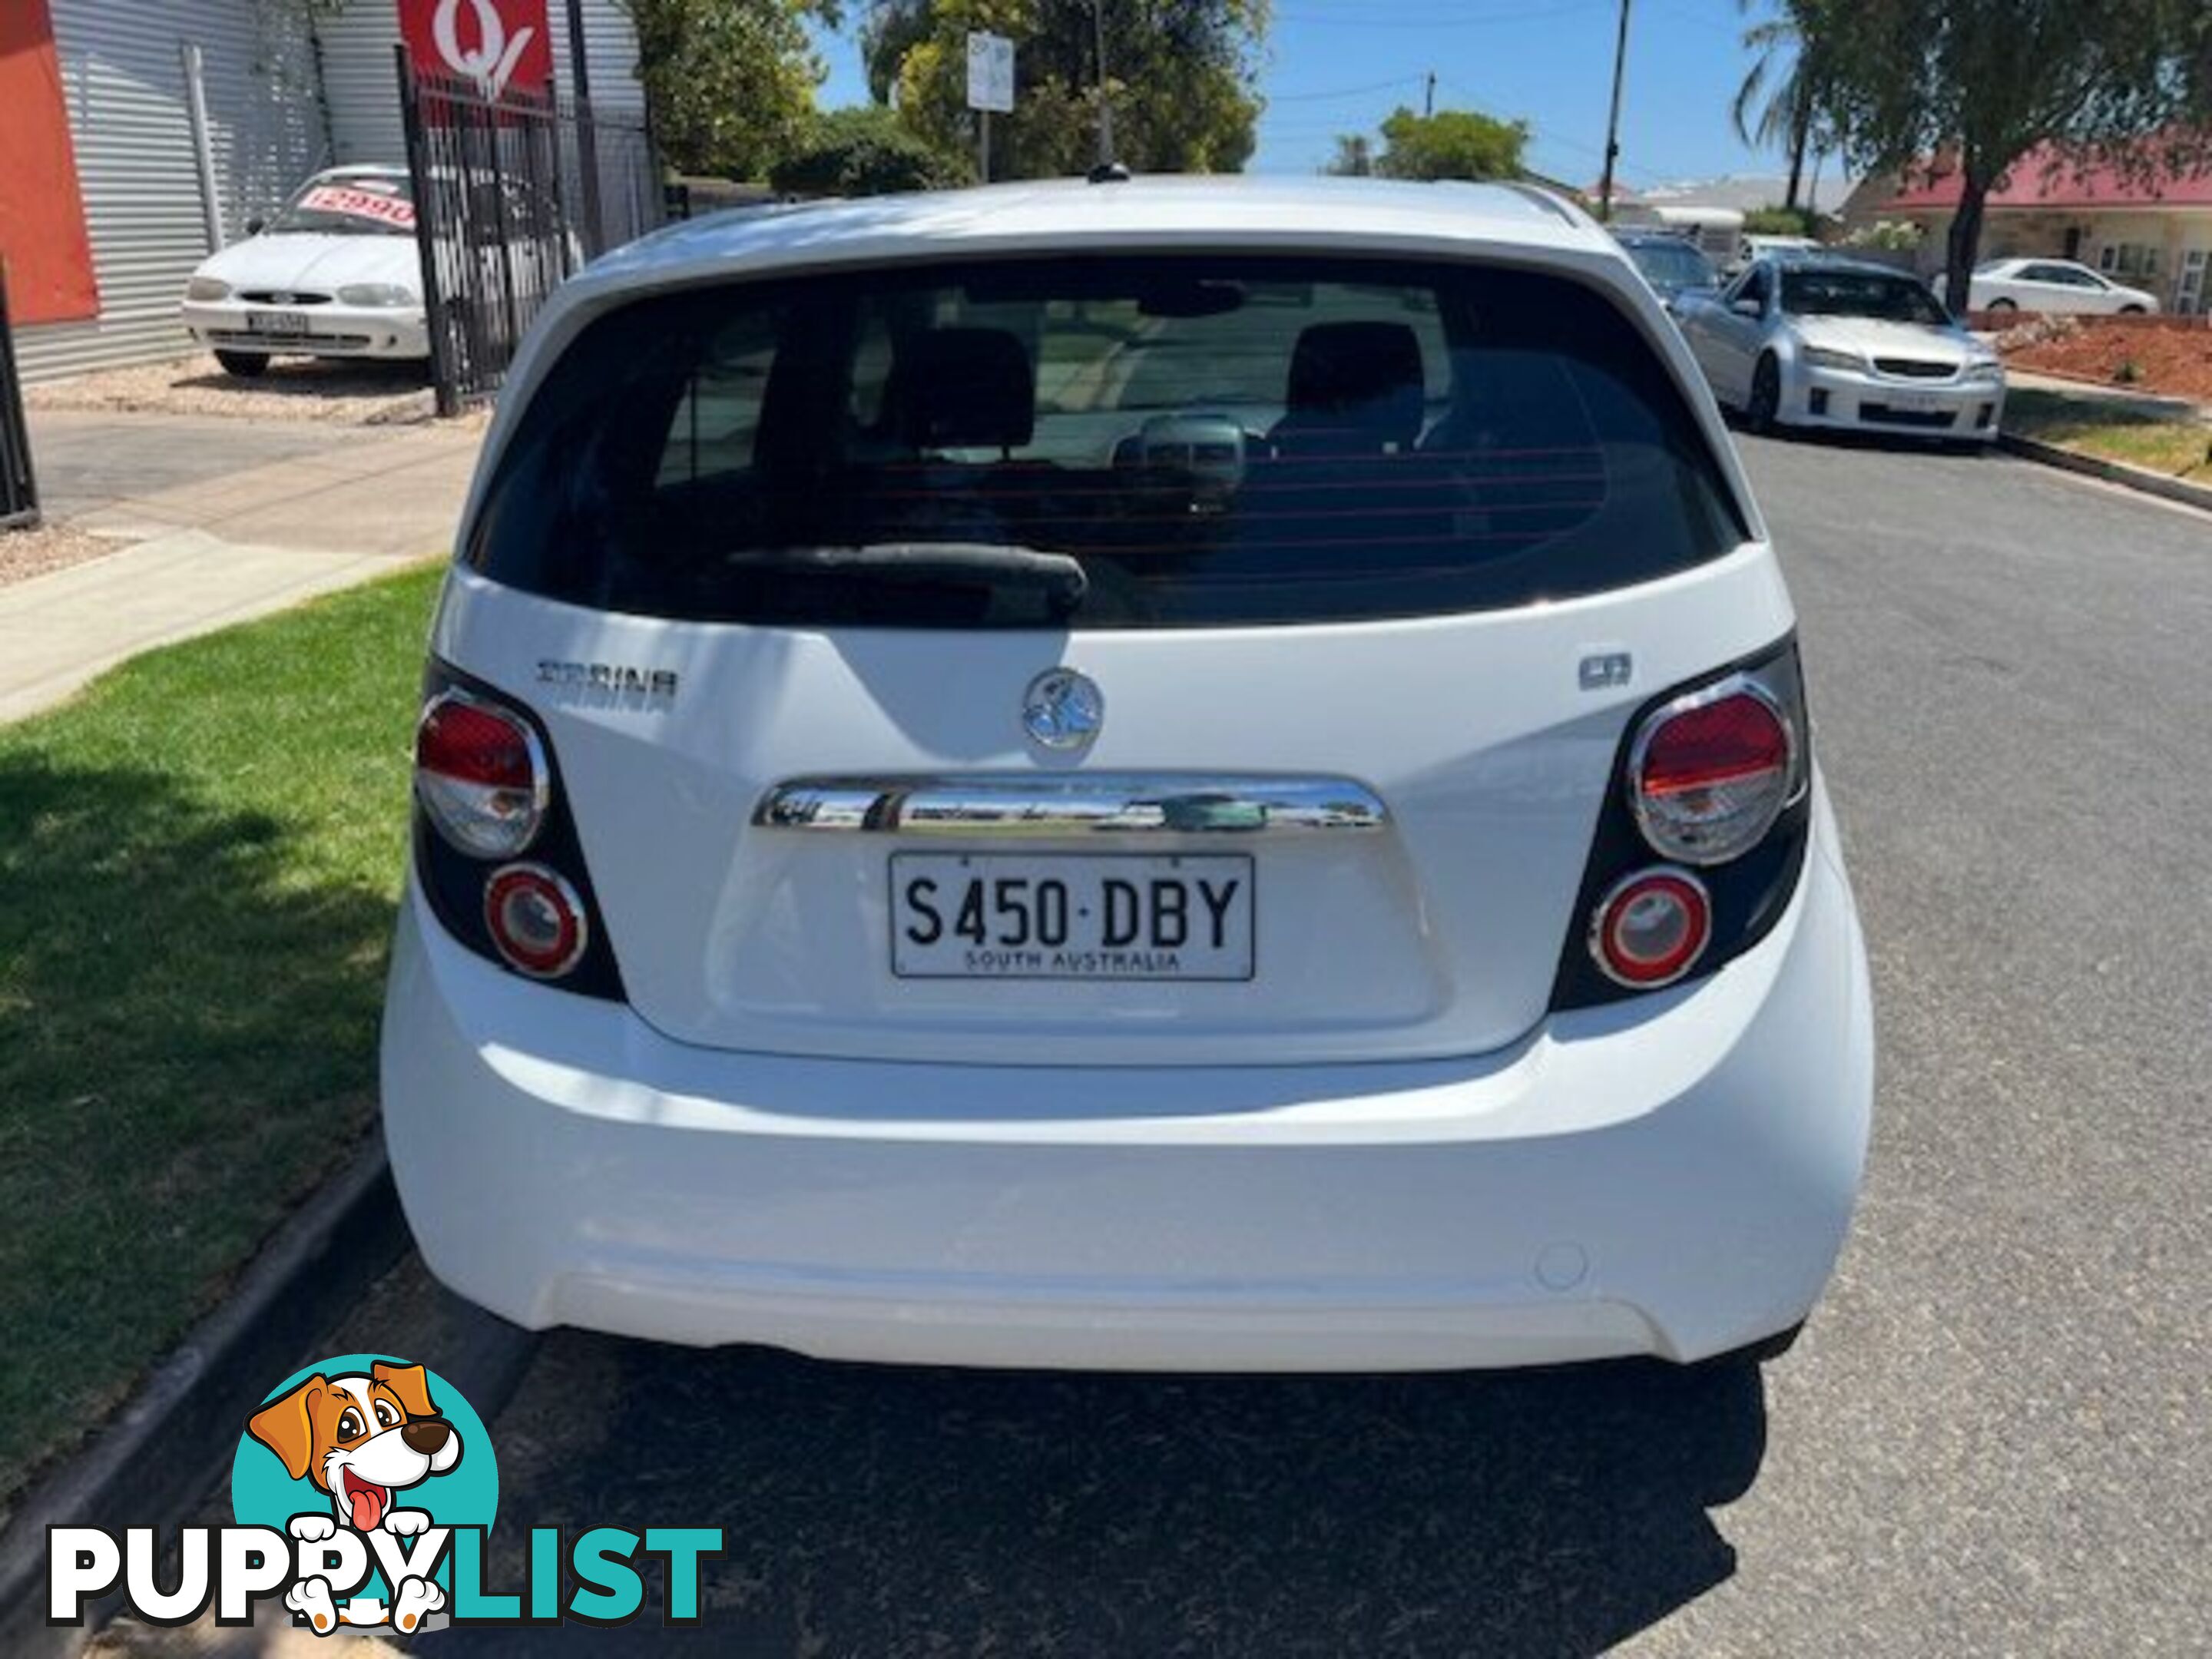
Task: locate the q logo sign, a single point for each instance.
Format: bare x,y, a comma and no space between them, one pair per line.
497,44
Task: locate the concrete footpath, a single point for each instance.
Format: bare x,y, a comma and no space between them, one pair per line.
216,541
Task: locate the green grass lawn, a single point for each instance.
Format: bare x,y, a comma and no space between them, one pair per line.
2179,449
198,863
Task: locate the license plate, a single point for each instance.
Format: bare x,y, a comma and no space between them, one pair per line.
277,322
1913,402
959,915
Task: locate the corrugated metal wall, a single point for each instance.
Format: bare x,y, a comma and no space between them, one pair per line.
610,50
124,77
359,88
363,92
274,117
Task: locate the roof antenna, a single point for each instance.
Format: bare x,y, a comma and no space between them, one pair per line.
1108,172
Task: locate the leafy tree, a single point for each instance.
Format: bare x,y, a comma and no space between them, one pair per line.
865,151
1453,143
1180,79
1354,157
1974,86
730,83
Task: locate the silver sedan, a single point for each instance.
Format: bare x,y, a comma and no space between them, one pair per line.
1846,345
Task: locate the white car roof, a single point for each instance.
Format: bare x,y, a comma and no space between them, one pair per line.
1309,213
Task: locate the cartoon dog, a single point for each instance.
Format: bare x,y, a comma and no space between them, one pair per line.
360,1439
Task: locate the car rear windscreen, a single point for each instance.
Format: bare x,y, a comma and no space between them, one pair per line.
1178,441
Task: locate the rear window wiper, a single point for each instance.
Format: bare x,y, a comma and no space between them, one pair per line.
1059,579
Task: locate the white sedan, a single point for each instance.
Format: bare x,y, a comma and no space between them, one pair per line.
1841,343
334,274
2054,286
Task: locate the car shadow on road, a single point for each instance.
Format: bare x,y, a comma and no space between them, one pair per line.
1869,443
885,1511
312,377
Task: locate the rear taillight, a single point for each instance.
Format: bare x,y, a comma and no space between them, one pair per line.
480,773
1713,776
1711,771
535,919
488,789
1651,929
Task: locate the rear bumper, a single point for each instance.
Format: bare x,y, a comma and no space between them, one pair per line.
1674,1177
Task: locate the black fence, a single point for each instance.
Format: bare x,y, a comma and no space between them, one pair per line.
19,490
511,195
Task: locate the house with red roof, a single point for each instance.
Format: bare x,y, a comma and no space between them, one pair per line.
2153,232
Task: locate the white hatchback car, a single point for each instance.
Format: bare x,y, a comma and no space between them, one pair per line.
1169,775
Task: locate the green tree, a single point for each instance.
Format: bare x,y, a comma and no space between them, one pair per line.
1180,79
1354,157
1974,86
730,83
865,151
1453,143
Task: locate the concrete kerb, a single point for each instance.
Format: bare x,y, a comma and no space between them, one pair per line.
174,1439
2113,472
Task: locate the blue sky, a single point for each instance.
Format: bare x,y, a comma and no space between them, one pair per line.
1338,66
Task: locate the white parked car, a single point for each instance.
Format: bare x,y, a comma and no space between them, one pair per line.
1761,246
336,273
1205,774
1824,341
2054,286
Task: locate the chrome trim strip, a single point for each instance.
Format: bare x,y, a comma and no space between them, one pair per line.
1077,804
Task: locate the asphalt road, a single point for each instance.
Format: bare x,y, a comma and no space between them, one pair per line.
1997,1435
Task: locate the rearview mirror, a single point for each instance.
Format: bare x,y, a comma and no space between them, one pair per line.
1751,308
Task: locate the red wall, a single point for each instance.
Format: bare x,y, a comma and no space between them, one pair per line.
42,234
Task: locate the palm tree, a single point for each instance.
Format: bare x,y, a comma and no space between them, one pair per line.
1779,102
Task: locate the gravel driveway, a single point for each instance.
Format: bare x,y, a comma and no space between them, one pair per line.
297,389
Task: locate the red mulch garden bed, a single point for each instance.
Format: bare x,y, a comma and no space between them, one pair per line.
2168,357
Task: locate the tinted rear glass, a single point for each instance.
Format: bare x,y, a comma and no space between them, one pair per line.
1672,263
1213,440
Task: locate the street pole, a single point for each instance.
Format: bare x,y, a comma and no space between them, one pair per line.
587,141
1428,103
1613,121
1106,157
983,146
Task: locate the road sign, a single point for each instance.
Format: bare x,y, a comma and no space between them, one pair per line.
991,73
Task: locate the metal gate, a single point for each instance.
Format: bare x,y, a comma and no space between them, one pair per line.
511,195
19,491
